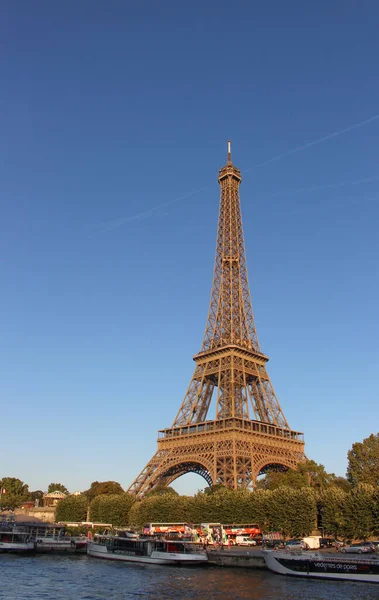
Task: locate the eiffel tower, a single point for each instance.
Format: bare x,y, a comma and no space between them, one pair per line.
250,433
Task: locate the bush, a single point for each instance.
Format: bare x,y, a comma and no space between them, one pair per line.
112,509
72,508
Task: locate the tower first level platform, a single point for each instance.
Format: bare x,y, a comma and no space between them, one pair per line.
231,452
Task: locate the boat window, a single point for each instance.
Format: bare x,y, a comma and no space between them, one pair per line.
175,547
160,546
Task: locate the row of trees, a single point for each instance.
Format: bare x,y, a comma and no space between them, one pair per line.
351,515
14,492
294,512
291,511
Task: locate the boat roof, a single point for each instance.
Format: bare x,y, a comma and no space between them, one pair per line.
13,532
140,539
10,518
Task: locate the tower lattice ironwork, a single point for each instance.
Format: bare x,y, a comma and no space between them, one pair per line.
250,432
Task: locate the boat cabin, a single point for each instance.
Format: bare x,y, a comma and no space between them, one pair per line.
13,537
140,547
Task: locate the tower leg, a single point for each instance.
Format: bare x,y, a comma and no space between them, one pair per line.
170,463
145,480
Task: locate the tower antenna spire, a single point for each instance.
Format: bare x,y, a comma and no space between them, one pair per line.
229,151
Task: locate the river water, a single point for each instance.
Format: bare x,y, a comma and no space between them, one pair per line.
82,578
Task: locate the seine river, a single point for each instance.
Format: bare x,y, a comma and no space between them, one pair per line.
82,578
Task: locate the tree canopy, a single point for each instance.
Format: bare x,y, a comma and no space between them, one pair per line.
36,495
308,474
161,490
57,487
72,508
291,511
288,510
360,512
99,488
332,511
161,508
14,492
214,489
112,508
275,479
363,461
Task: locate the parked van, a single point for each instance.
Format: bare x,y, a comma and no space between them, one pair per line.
312,542
243,540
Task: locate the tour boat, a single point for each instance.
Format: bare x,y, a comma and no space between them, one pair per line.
61,544
12,541
146,551
314,564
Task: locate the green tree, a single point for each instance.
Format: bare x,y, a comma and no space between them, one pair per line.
292,512
57,487
308,474
360,511
204,507
318,478
36,495
259,513
275,479
333,511
214,489
340,482
72,508
363,461
112,508
99,488
162,509
14,492
161,490
220,505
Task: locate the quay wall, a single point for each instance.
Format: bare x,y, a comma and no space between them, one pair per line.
228,558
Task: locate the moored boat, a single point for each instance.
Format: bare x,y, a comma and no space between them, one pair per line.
160,552
61,544
37,535
314,564
11,541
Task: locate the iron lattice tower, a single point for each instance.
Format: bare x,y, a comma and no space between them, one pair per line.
250,432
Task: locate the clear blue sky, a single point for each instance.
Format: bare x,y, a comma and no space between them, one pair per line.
114,119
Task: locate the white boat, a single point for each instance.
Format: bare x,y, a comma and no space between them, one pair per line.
145,551
11,541
60,544
315,564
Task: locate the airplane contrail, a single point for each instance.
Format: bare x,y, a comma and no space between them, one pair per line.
113,224
322,186
314,142
107,225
